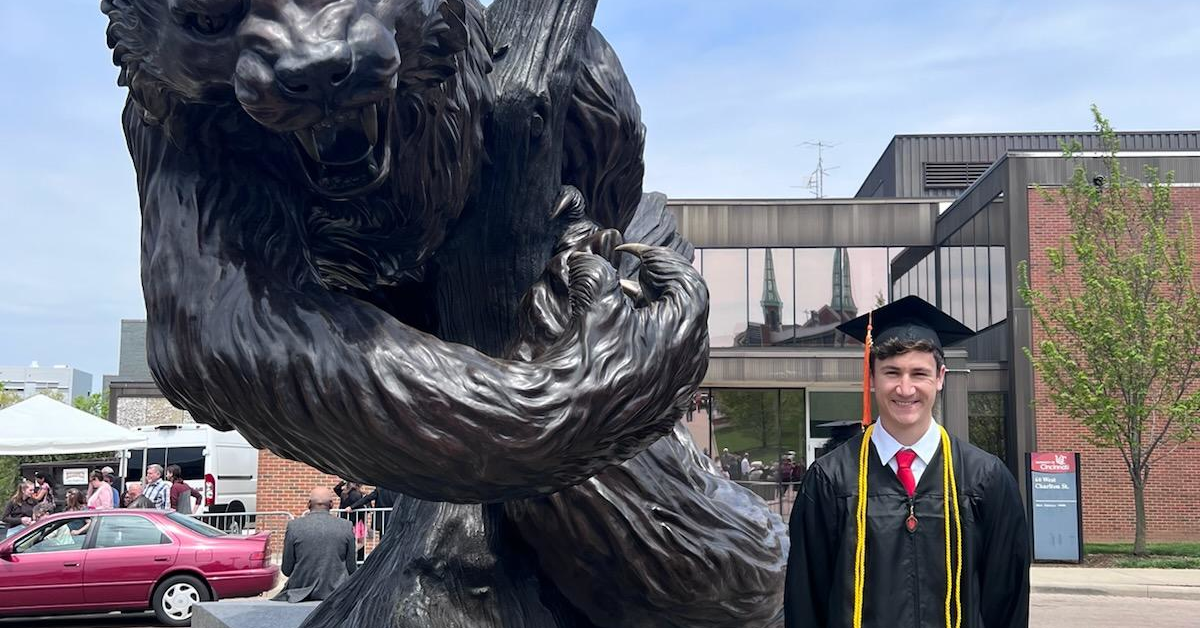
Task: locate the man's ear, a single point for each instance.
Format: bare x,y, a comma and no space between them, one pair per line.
941,379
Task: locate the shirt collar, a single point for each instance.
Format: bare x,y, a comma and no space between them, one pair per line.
887,446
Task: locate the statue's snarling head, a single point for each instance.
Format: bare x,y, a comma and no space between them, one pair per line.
375,102
325,73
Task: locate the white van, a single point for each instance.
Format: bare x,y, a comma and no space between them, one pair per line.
222,465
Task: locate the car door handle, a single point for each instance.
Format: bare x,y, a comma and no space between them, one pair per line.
161,559
70,564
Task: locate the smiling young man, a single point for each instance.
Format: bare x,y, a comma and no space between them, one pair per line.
930,544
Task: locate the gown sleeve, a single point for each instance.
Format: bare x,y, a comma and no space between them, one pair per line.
364,500
1004,568
813,531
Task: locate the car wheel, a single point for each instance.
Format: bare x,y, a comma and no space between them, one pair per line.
174,598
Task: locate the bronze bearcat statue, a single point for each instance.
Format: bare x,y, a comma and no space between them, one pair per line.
405,241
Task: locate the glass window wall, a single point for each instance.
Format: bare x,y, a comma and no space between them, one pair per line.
986,424
973,286
724,271
758,439
790,297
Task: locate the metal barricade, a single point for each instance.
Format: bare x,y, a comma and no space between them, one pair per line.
778,495
246,523
370,524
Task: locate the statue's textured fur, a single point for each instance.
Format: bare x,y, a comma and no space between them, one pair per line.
273,307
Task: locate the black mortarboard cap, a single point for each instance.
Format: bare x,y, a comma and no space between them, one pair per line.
910,318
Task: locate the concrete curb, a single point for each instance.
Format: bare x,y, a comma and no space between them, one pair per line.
1161,591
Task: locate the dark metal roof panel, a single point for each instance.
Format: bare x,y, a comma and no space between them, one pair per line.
881,181
910,152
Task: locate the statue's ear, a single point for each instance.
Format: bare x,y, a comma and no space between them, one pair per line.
451,33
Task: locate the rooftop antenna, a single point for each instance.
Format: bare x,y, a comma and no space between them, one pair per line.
816,179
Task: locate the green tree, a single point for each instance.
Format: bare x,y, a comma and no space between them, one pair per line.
7,397
752,412
96,403
1119,315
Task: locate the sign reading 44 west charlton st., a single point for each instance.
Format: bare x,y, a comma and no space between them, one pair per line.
1054,500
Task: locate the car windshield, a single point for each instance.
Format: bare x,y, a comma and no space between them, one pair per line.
194,525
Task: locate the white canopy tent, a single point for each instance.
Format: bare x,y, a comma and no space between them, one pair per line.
42,426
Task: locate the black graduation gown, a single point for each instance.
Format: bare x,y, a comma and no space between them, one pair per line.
905,572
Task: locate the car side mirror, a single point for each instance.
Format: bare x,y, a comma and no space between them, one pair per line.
6,551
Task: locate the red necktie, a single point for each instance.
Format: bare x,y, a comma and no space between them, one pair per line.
904,460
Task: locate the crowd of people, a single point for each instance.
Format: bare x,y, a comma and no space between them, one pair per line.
741,469
163,490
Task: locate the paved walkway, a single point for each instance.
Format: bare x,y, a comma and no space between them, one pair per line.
1178,584
1102,611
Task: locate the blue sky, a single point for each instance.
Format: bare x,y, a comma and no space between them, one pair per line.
728,91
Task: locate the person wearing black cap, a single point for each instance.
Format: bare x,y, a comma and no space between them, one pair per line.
883,531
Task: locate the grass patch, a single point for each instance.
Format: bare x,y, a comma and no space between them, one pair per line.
1161,555
1191,550
1159,562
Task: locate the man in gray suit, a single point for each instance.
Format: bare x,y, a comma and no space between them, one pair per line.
318,551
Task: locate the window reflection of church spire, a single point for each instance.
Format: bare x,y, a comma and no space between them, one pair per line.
772,304
842,300
820,328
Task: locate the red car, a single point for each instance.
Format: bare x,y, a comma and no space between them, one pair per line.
105,560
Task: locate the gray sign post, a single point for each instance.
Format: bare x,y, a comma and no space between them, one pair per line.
1057,514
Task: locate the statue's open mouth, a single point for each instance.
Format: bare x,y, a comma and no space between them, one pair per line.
348,153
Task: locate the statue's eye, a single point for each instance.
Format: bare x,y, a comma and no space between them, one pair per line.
207,25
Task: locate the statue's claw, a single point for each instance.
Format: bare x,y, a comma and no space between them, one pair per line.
635,248
632,289
569,201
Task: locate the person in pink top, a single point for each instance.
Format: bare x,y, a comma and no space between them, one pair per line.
100,495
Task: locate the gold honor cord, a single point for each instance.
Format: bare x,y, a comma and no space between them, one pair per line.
949,495
860,518
950,492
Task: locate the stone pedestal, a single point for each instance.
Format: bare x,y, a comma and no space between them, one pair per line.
250,613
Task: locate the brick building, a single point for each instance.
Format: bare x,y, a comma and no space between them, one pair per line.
1172,496
283,486
1004,213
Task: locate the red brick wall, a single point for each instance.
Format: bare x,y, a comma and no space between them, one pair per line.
1173,492
283,486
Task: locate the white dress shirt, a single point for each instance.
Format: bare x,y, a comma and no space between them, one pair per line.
925,448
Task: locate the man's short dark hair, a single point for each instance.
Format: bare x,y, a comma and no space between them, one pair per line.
893,347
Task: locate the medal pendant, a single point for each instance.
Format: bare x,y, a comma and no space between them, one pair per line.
911,523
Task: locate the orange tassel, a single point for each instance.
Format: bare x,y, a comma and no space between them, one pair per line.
866,400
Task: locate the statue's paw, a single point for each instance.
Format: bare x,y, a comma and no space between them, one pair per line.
666,298
547,308
664,279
